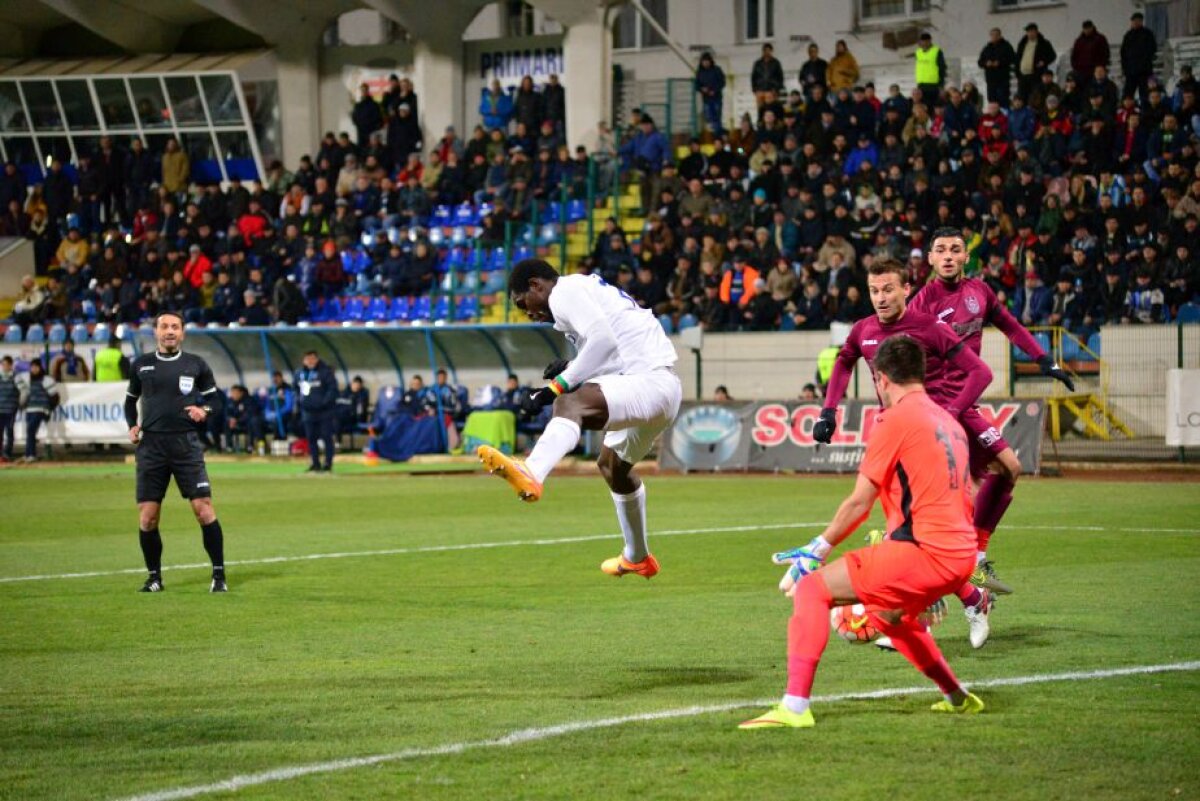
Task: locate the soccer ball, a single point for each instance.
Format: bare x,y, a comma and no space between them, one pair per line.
852,624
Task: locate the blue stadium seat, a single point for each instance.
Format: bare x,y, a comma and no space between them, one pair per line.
576,211
455,259
354,311
35,334
89,310
554,211
100,334
399,309
436,237
420,309
496,259
441,310
458,235
79,333
12,335
1189,313
1093,344
377,310
442,216
1042,338
493,281
484,209
464,214
1073,350
467,308
548,234
58,334
522,253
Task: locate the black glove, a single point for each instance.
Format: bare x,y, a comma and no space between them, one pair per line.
535,400
555,368
825,427
1050,368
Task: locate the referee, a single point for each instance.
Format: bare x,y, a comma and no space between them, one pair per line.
178,393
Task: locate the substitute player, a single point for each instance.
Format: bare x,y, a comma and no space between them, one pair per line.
916,463
955,378
966,305
177,393
622,381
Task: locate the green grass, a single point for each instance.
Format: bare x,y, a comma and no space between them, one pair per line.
106,693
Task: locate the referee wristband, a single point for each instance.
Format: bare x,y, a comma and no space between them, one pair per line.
559,385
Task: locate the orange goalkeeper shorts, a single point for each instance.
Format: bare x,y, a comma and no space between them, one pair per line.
901,575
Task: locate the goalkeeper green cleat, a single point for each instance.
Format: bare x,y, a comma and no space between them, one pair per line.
875,536
780,717
985,576
971,705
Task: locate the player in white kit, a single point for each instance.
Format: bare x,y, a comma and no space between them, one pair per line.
622,381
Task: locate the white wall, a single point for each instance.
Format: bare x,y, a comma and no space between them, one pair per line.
777,365
344,68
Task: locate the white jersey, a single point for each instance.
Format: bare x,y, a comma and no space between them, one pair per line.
580,302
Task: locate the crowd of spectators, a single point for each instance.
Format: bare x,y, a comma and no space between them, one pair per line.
1078,200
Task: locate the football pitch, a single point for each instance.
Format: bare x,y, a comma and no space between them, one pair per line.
389,635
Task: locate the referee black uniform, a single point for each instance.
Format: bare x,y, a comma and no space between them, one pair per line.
171,445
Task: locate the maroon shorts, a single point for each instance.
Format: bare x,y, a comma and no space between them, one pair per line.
984,440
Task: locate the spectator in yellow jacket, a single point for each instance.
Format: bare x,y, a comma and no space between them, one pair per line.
843,68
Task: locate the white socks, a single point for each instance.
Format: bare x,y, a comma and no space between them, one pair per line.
980,557
631,514
560,438
796,703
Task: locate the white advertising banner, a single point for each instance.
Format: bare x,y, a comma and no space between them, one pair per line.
1183,408
87,413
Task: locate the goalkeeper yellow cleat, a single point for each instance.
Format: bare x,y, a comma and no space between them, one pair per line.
971,705
985,577
780,717
528,488
875,536
619,566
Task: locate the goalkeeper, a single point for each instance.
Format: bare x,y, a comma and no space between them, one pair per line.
917,464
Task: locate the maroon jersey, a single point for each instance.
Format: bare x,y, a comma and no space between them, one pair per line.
955,377
966,306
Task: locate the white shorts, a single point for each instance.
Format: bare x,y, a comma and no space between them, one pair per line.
640,407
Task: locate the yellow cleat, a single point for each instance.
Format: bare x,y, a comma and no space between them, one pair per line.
619,566
528,488
780,717
971,705
985,576
875,536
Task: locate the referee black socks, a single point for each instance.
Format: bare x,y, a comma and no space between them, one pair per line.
151,543
214,544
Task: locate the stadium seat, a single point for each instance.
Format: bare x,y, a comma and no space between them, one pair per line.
484,209
554,212
464,214
377,310
58,334
547,234
89,310
441,310
420,309
458,235
1042,338
442,215
35,334
1093,344
399,310
467,308
522,253
496,259
576,211
12,335
1073,349
436,237
79,333
1189,313
100,335
354,311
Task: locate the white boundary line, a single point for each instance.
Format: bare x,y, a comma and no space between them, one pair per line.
269,560
522,736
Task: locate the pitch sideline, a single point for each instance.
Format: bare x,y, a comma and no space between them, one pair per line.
518,543
522,736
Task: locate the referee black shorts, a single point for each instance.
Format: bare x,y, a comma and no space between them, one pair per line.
160,456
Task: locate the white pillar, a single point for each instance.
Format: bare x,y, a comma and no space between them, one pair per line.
587,55
438,81
299,102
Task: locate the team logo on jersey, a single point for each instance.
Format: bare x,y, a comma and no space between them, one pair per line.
574,340
972,304
186,382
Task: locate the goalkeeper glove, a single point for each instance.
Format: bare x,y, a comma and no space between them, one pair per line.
802,562
824,428
1051,368
554,368
535,400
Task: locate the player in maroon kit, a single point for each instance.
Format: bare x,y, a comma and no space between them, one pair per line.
955,377
966,305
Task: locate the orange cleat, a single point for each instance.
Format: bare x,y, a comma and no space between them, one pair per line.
619,566
528,488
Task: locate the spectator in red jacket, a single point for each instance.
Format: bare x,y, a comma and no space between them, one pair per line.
197,265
